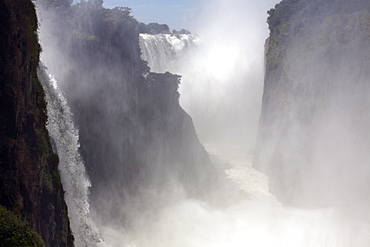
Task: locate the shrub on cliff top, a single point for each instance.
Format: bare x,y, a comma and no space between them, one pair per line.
15,232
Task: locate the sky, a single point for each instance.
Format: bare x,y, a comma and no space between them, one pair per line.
177,14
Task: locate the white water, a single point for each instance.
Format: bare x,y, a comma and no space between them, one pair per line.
257,219
162,51
217,87
64,136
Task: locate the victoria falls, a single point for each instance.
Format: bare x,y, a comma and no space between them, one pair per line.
251,127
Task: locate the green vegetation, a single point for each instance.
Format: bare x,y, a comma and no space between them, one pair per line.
317,58
101,47
293,18
29,177
15,232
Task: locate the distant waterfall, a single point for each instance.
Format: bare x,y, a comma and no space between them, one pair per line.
64,136
221,79
161,50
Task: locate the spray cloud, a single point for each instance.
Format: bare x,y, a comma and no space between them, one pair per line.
221,89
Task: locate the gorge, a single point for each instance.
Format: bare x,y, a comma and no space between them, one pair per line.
217,138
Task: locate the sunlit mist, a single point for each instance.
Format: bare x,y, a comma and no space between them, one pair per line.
222,69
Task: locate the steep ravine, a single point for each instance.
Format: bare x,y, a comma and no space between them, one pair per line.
29,178
139,146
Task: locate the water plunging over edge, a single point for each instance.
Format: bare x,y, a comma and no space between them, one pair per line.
258,220
65,141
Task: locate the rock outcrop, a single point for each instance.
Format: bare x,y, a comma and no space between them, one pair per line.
314,123
137,142
29,179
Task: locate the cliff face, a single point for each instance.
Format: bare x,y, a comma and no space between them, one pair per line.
135,138
29,177
313,128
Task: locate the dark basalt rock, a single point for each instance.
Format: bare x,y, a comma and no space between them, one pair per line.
134,135
29,179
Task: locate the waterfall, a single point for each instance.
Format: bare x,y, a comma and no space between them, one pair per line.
221,89
217,81
65,140
161,50
215,86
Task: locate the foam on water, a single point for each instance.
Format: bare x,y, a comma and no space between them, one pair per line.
65,139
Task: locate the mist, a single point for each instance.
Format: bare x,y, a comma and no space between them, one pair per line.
142,195
313,149
222,80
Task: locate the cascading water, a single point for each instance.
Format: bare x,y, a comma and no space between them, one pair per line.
221,88
210,71
64,136
161,50
258,219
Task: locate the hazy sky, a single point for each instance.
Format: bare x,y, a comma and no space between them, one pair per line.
175,13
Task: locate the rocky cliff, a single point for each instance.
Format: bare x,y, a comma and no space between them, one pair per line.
314,123
137,142
29,179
